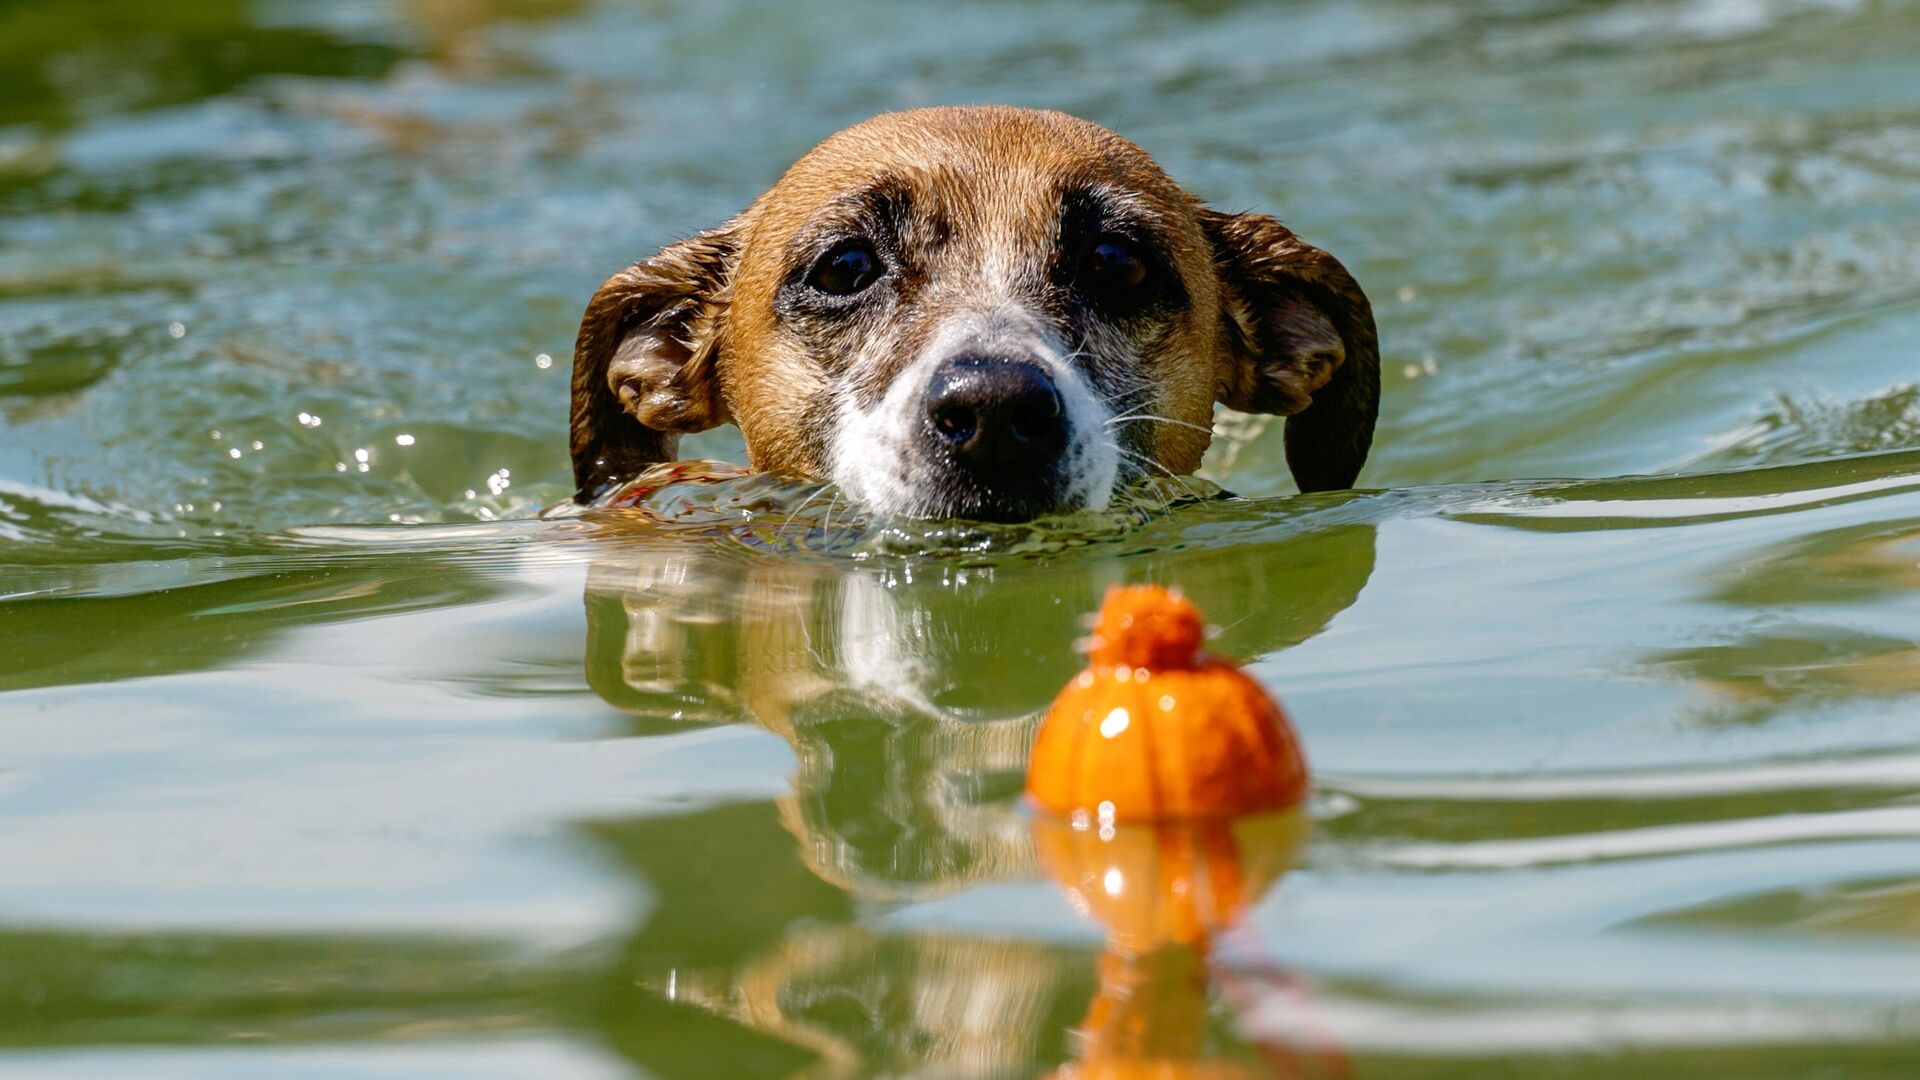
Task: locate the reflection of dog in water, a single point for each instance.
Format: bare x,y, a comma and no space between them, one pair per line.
910,702
986,313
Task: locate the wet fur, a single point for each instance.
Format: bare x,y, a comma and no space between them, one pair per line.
979,214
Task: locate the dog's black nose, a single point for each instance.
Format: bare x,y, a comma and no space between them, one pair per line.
996,416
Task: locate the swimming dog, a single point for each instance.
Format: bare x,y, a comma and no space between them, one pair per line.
983,312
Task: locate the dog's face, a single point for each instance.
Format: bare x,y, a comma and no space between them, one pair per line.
987,313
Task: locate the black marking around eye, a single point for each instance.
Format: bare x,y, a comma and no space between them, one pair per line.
883,215
1091,213
903,226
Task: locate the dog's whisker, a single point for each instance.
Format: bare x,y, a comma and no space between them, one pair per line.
1135,399
817,492
1171,475
1177,481
1137,417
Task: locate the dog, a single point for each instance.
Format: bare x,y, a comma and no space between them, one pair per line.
988,313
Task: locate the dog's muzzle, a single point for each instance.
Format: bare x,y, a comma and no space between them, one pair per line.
997,432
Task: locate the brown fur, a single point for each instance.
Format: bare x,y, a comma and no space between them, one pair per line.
697,335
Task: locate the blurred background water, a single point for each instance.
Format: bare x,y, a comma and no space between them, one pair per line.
320,757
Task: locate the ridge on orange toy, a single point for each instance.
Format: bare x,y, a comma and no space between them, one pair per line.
1154,730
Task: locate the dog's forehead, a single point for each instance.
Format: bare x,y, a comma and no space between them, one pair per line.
970,162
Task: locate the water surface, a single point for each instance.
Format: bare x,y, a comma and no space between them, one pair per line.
320,756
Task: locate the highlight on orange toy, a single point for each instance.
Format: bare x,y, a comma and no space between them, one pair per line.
1155,730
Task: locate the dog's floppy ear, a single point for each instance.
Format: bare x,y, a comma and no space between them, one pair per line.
643,366
1300,344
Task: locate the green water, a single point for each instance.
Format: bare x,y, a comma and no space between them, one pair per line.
320,757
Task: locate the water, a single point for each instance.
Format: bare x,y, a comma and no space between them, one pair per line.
321,756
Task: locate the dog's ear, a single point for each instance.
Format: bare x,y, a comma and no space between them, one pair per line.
643,366
1300,344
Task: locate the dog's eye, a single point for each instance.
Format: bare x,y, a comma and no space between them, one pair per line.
845,270
1114,264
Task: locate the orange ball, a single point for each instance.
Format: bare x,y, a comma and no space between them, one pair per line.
1154,731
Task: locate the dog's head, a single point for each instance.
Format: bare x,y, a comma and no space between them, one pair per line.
986,313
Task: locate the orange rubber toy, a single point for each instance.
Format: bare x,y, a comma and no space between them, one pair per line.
1153,730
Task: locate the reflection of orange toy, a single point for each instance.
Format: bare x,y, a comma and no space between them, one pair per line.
1154,731
1168,884
1164,891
